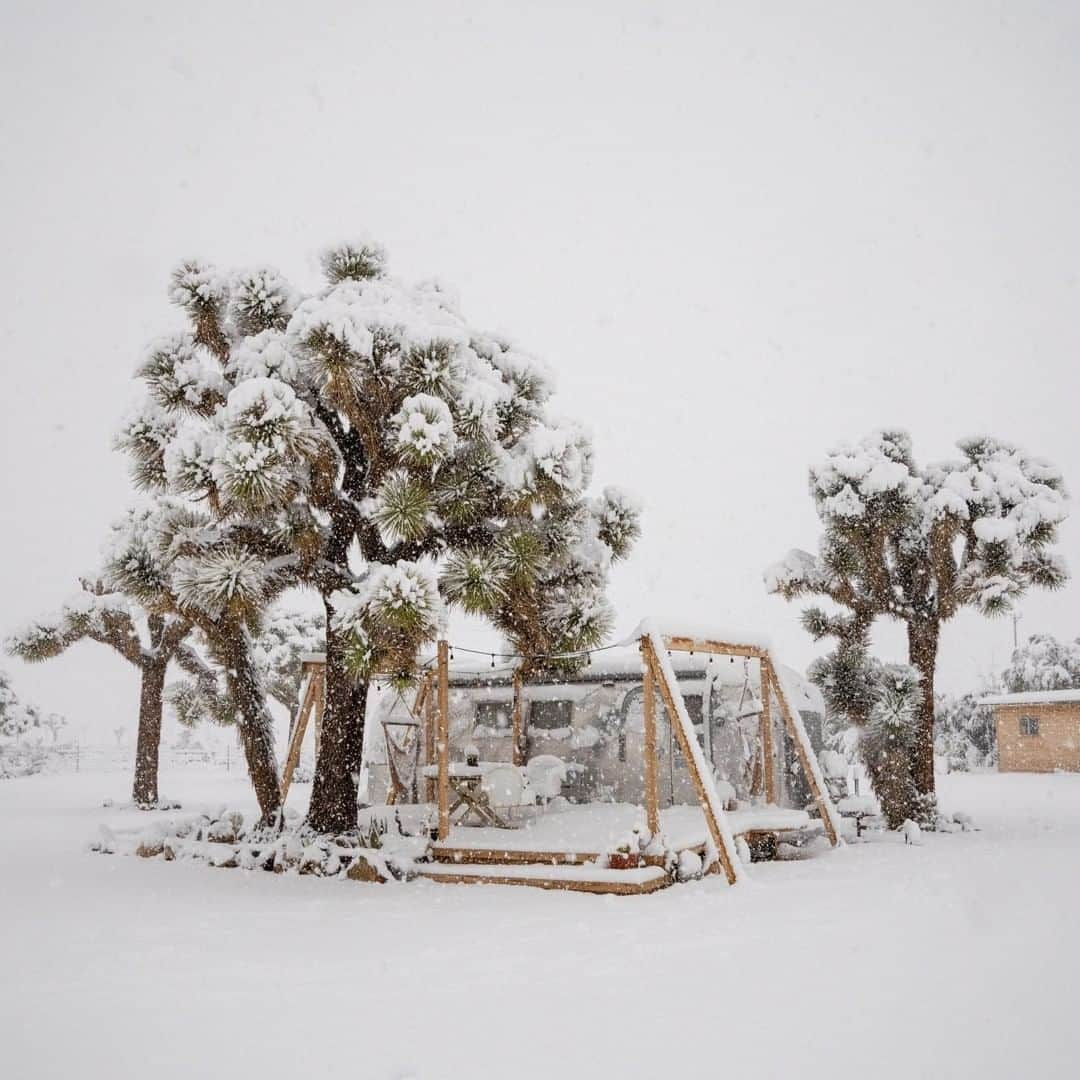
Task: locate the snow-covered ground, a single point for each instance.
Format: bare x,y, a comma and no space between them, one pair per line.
955,958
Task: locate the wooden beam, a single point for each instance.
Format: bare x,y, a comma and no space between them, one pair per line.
768,756
442,739
798,736
292,757
517,731
718,648
652,786
430,784
667,692
617,888
319,707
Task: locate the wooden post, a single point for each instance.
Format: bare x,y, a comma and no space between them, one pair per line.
292,757
768,762
727,858
319,707
797,733
442,740
517,732
652,786
431,785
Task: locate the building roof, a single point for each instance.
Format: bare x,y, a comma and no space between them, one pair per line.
1034,697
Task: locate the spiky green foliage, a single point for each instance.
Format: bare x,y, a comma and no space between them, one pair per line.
385,620
357,260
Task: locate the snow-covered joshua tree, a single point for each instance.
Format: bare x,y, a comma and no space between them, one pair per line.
147,639
918,544
366,441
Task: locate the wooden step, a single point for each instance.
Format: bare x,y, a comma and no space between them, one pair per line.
448,853
574,878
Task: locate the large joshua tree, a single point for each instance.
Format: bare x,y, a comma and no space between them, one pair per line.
365,441
148,640
918,545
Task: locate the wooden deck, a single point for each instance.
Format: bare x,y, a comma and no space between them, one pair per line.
570,878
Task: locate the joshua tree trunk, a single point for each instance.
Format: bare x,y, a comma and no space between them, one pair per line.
333,795
256,726
922,654
145,790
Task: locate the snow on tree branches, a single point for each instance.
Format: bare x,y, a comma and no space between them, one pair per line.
365,436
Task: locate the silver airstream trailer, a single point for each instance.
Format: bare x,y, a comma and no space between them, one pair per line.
594,723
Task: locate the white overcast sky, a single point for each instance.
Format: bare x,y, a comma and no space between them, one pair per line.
738,232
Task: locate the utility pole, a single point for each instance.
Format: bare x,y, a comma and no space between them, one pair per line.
1016,617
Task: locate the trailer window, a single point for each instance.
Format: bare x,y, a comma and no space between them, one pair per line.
549,715
493,714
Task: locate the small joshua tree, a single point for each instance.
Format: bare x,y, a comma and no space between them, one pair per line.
148,640
367,442
175,561
919,544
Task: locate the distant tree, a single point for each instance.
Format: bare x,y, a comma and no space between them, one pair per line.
1044,663
919,544
16,718
148,640
55,724
19,755
367,442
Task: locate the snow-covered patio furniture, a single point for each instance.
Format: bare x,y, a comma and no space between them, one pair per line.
546,775
472,796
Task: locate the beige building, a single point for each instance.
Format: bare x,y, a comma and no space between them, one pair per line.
1037,731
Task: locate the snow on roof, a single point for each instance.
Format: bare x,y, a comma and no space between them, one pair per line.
1033,697
667,626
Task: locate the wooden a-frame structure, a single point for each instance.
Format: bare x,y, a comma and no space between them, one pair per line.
431,710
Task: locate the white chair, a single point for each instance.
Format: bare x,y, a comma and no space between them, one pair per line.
504,789
546,775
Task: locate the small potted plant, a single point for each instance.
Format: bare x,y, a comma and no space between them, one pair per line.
622,858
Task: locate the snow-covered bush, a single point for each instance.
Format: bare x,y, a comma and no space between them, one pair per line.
21,753
1044,663
966,736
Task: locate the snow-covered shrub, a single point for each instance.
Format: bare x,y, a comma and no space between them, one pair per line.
966,735
1044,663
21,752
